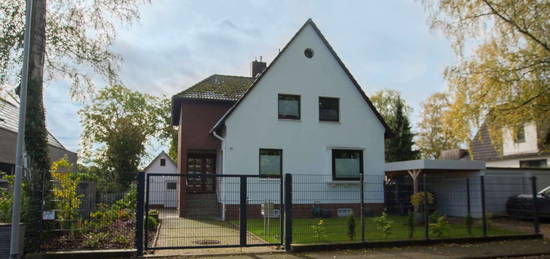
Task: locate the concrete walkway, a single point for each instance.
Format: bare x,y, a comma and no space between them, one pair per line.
176,232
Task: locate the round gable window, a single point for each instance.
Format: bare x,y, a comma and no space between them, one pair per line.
308,52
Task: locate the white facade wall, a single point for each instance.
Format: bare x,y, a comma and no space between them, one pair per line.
509,147
158,193
514,163
306,143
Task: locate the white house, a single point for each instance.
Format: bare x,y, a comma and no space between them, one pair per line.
305,115
162,190
520,151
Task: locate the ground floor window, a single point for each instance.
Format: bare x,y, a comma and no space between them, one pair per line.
271,162
347,164
539,163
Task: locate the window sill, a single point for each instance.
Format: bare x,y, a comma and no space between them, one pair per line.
344,182
326,121
288,119
269,179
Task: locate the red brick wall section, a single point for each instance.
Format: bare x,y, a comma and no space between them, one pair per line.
300,210
196,120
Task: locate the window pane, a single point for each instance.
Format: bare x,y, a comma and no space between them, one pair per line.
171,185
347,164
270,162
328,109
289,106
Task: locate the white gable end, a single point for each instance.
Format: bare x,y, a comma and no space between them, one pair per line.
306,143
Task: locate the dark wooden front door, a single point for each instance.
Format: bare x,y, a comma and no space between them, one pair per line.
200,171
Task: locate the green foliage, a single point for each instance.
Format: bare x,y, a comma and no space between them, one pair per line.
440,226
66,199
351,227
501,79
154,212
78,40
417,200
433,134
319,230
120,122
434,216
151,223
6,199
384,224
394,110
411,223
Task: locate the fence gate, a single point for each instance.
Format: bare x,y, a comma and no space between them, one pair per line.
208,210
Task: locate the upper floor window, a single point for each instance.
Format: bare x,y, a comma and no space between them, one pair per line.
329,109
162,162
520,135
289,106
271,162
347,164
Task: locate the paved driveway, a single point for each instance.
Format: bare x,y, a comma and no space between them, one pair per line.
175,231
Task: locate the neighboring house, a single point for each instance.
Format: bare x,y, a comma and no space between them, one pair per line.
305,114
162,189
9,118
523,151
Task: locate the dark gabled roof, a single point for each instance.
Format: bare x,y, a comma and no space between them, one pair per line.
221,122
215,88
482,147
9,119
218,87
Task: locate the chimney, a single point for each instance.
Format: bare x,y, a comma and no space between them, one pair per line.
258,67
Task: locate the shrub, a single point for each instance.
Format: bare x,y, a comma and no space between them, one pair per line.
351,227
66,198
384,224
434,216
154,212
151,223
437,229
95,239
319,231
417,200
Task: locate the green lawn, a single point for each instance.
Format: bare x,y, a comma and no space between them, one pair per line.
335,230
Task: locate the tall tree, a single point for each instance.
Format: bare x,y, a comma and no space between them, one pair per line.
35,130
504,67
434,135
394,110
117,125
78,36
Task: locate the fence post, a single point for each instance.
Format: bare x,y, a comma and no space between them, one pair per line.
468,206
139,213
243,214
288,212
362,207
281,210
425,203
483,210
147,189
535,204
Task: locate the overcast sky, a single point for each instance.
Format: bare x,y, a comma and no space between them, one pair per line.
385,44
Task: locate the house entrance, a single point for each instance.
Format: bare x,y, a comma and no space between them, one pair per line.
199,167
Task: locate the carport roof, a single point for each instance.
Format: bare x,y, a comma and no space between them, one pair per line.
435,165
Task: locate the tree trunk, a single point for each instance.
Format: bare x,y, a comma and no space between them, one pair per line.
36,135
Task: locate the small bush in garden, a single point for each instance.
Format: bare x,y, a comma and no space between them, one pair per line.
411,224
351,227
151,223
95,239
66,198
434,216
319,231
417,200
153,212
384,224
438,229
469,221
